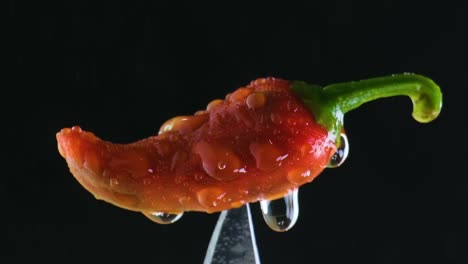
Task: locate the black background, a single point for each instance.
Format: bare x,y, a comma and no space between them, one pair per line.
121,69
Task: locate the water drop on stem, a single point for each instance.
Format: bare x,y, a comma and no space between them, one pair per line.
341,153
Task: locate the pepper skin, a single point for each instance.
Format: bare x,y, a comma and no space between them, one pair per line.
262,142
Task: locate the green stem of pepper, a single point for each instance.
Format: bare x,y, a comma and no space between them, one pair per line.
328,104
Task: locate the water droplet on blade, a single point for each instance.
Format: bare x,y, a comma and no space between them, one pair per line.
163,218
341,153
281,214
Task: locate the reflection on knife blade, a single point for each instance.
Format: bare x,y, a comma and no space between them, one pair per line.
233,239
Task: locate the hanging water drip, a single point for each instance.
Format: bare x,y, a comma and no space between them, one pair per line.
163,218
341,153
281,214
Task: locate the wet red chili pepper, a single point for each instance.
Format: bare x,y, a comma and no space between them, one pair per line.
261,142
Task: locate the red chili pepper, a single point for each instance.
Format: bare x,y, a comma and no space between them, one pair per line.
262,142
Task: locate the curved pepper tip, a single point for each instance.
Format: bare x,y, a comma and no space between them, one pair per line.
428,105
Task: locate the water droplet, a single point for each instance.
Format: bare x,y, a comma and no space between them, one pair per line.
281,214
267,156
183,123
341,153
210,197
163,218
221,165
219,161
214,104
239,94
170,124
76,128
255,100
